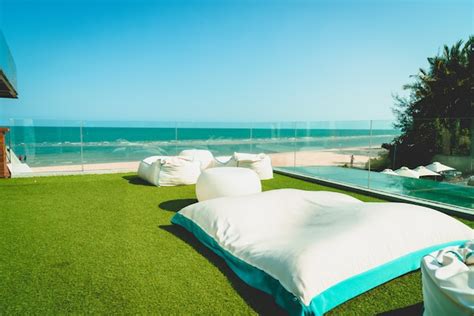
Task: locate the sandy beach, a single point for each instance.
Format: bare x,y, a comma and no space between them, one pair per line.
324,157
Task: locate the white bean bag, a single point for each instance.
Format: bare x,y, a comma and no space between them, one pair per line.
260,163
224,161
315,250
205,157
448,287
169,171
179,171
230,181
149,169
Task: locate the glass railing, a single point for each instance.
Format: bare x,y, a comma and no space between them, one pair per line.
44,146
350,153
7,64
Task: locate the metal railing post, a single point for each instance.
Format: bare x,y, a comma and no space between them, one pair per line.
176,138
370,149
294,144
251,139
82,145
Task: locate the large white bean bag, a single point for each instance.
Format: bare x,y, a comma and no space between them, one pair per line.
205,157
169,171
230,181
260,163
448,286
315,250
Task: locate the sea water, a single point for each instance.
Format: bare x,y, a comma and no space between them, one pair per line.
49,146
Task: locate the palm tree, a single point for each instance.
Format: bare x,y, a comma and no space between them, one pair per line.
437,116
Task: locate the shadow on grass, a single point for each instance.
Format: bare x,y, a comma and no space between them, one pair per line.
176,205
261,302
136,181
412,310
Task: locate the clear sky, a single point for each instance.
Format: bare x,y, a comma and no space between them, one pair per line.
221,60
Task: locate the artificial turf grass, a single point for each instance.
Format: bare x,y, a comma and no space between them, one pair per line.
104,244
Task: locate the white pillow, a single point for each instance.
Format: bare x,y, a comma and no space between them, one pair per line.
205,157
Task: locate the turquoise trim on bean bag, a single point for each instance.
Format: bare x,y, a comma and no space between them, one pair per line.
248,273
328,299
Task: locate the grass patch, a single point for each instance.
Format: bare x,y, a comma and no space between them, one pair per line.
104,244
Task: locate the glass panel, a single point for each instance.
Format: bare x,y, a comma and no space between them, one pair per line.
383,134
275,139
112,145
7,64
222,139
342,152
443,146
327,149
44,146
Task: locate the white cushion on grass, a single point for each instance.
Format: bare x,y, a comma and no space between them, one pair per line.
310,241
205,157
169,170
178,171
260,163
149,169
230,181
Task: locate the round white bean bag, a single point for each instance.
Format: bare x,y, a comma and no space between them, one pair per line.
205,157
260,163
228,181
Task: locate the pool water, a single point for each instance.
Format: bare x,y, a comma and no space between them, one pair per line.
433,191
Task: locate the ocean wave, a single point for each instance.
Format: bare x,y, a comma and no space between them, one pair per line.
205,142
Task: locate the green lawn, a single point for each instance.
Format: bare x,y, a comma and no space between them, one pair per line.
104,244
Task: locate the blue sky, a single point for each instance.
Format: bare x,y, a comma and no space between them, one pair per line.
221,60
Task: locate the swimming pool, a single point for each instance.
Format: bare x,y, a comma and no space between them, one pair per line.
432,191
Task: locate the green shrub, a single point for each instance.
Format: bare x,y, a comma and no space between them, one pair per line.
379,163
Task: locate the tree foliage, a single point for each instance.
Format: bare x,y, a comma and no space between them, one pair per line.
437,116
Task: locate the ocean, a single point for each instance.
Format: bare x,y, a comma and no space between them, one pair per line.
50,146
